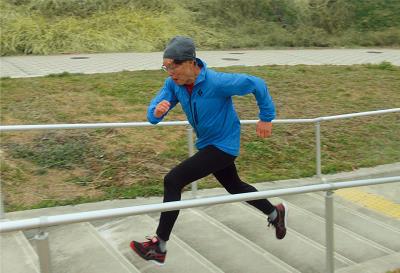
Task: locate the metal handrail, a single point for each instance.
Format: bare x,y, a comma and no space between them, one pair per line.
7,128
316,121
44,222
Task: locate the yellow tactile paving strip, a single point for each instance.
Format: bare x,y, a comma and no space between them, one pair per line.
371,201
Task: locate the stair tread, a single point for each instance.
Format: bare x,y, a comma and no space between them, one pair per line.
180,257
296,250
356,222
229,251
379,265
390,222
78,248
17,254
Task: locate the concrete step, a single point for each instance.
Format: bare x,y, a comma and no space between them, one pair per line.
378,265
79,248
181,257
372,228
348,243
373,233
295,249
17,254
224,247
390,222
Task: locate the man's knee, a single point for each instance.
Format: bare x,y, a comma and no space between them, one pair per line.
172,182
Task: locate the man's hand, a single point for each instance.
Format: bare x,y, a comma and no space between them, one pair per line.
264,128
161,108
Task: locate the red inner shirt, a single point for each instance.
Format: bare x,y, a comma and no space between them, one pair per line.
189,88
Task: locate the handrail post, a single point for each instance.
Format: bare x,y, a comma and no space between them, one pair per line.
329,232
318,148
2,214
191,153
43,248
329,217
329,214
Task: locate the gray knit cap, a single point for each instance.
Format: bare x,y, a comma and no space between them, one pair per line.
180,48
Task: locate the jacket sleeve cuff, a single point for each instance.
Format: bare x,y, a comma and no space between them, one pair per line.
151,118
267,118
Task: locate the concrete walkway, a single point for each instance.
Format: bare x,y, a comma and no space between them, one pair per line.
35,66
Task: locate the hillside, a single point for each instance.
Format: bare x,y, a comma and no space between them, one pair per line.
76,26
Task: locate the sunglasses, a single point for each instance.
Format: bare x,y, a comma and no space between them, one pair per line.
172,67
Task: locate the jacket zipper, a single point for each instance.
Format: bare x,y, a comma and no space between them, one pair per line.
194,114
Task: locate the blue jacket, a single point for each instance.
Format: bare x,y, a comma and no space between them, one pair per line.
210,109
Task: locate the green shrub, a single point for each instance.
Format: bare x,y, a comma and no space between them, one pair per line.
382,66
120,30
84,8
306,36
387,37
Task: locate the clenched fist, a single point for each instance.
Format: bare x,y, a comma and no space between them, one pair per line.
161,108
264,129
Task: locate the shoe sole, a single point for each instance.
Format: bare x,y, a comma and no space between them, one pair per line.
156,263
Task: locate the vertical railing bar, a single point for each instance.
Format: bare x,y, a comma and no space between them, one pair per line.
2,213
329,232
43,251
318,148
191,153
43,247
329,217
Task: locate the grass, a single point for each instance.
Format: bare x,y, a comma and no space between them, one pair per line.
48,168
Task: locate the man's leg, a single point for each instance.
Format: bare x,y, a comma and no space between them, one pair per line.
203,163
229,178
277,215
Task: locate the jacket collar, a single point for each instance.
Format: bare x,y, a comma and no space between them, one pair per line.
201,77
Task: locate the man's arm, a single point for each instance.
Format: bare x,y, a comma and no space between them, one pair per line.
161,104
242,84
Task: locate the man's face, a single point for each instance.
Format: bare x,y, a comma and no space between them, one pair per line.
180,72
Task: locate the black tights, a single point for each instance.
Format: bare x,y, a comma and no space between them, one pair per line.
209,160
